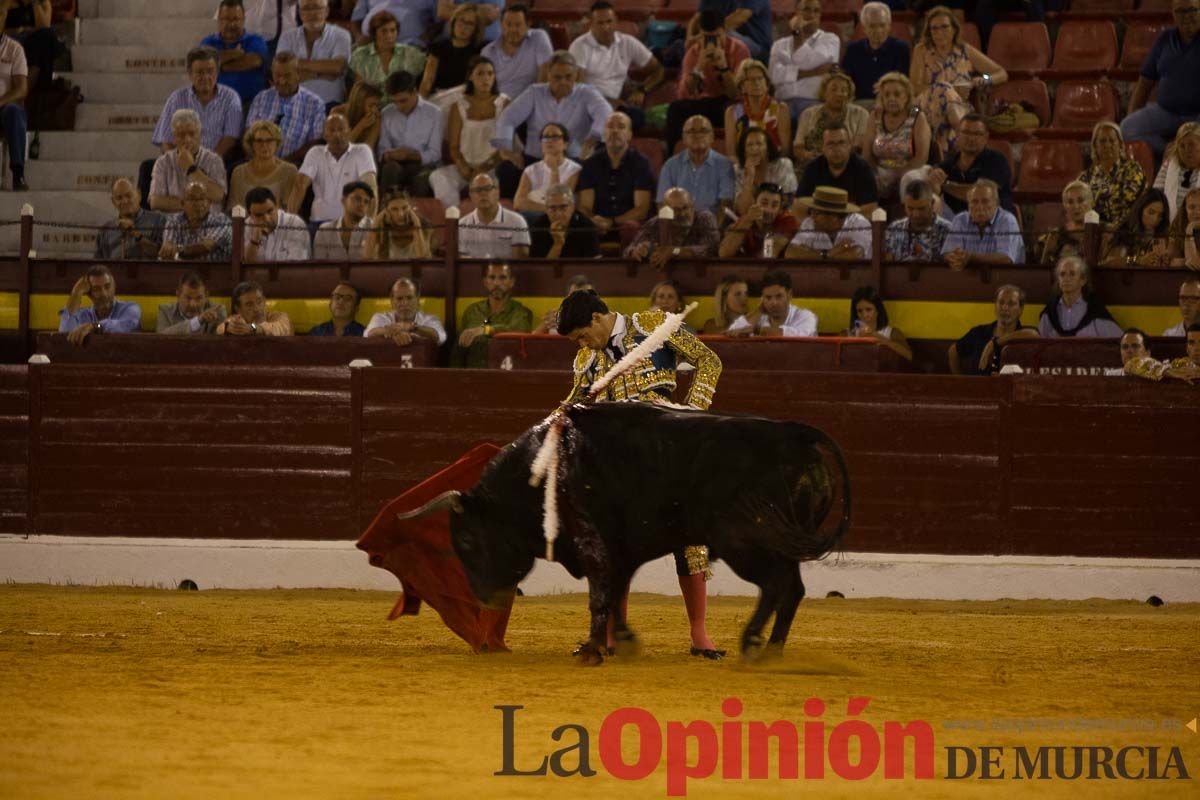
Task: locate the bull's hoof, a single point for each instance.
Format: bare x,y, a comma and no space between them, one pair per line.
589,656
628,645
752,649
711,655
579,648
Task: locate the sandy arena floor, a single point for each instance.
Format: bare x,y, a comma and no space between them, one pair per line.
110,692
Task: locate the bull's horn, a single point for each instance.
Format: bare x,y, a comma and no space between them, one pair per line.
446,501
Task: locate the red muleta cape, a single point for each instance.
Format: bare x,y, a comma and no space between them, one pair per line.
419,553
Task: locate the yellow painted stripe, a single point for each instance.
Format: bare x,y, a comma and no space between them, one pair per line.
919,319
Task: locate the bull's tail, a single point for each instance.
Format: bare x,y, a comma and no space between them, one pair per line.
827,533
802,528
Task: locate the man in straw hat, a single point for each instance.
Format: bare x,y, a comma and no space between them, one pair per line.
833,229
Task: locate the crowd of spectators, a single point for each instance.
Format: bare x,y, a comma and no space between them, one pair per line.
333,136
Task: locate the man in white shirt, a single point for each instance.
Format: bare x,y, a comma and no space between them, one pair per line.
798,62
322,49
833,228
342,239
491,230
406,322
775,315
263,18
272,234
14,84
605,55
1189,308
327,168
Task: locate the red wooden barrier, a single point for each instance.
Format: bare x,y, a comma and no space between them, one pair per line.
1030,465
825,354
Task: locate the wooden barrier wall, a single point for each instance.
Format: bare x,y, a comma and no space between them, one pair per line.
1033,465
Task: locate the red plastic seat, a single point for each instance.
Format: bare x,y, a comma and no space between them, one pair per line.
665,92
1141,153
970,35
1080,105
1020,46
1100,6
1139,38
1162,6
1047,217
1033,93
560,38
431,209
1048,166
1085,45
652,149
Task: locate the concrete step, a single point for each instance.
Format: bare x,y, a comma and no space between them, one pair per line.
96,145
80,176
127,59
171,32
93,9
117,117
87,209
112,87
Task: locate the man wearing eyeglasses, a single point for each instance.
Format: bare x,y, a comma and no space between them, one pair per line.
1172,65
705,174
562,232
491,230
343,305
578,107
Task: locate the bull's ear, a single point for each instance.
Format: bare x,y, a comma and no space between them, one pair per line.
446,501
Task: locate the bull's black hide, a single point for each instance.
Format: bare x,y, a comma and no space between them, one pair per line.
639,481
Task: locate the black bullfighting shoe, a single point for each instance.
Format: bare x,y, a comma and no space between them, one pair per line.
711,655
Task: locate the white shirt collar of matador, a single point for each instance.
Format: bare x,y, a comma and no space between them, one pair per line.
654,377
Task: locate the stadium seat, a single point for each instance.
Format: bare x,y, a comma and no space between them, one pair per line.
1101,6
1139,37
1020,46
1047,217
432,209
1079,105
560,38
1033,93
840,7
1089,45
652,149
634,10
1048,166
1005,149
1141,153
970,35
1159,6
665,92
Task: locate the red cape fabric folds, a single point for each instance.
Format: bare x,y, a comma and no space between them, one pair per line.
419,553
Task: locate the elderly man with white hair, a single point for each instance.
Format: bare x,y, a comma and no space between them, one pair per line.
867,60
189,162
1075,311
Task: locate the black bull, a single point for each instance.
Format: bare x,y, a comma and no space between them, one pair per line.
639,481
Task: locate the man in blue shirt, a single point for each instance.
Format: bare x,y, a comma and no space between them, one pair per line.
578,107
703,172
1173,65
869,59
242,54
343,305
972,160
519,53
106,314
410,139
616,183
985,233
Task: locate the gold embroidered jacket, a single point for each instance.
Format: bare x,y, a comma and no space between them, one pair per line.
654,377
